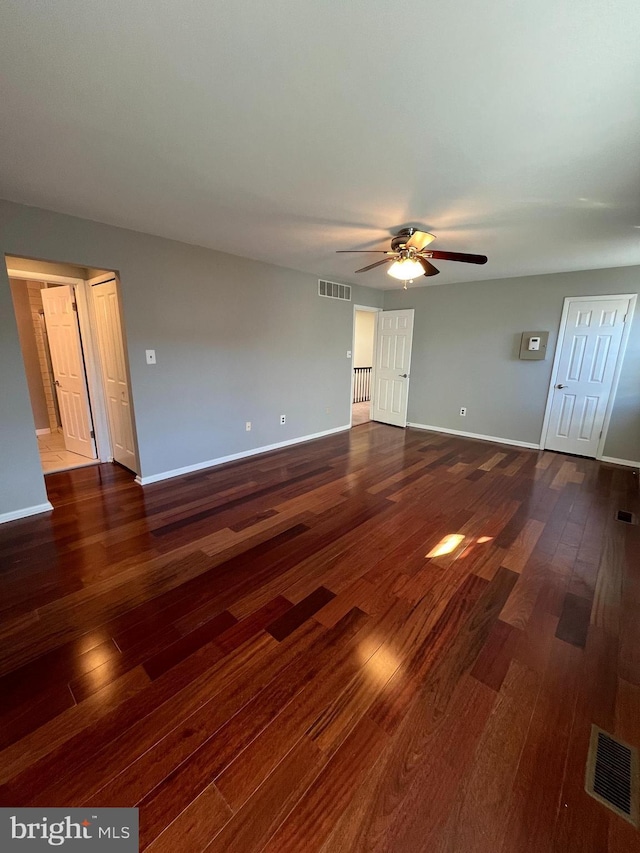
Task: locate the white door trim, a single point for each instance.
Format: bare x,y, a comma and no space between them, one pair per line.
632,297
94,381
353,349
25,275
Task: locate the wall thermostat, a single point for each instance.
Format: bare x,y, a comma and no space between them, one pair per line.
533,346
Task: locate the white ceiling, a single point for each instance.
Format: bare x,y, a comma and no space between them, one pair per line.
283,130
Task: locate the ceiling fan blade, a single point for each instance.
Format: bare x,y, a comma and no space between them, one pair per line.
377,264
420,240
428,268
463,257
413,238
361,252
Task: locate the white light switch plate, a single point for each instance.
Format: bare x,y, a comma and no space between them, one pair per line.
151,356
348,353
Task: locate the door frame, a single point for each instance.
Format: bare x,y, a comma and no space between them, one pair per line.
88,334
371,310
632,298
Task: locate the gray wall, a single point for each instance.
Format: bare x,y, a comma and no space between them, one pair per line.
29,347
236,340
465,353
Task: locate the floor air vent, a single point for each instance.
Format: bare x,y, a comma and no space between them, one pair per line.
628,517
333,290
612,774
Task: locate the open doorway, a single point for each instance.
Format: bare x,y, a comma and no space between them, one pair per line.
381,365
364,333
73,347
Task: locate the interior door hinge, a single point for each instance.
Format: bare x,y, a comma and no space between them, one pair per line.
93,435
74,305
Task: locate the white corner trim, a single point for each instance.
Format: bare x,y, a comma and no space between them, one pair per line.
15,514
212,463
464,434
629,462
43,431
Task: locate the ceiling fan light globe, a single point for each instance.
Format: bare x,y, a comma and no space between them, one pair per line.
405,269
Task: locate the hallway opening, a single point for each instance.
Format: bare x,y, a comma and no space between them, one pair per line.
73,348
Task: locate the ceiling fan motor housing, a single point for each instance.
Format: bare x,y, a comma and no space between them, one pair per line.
401,237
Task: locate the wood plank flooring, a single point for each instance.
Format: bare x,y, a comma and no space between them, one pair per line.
386,640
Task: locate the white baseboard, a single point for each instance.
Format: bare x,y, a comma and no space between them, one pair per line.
212,463
464,434
629,462
15,514
43,431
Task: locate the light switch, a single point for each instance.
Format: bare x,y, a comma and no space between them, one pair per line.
534,344
348,353
151,356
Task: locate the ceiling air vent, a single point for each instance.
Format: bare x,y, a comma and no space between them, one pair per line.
333,290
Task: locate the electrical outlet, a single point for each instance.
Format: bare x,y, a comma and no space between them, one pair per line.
463,412
283,419
247,426
348,353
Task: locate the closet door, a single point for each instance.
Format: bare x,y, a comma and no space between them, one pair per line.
114,372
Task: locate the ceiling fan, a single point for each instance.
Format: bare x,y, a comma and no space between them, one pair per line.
410,257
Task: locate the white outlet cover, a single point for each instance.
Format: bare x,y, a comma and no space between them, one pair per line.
247,426
150,356
348,353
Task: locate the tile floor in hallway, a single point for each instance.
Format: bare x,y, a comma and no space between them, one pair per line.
55,457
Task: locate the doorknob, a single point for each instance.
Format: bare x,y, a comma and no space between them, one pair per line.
57,383
561,386
404,376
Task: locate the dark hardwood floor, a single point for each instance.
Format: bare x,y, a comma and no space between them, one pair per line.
385,640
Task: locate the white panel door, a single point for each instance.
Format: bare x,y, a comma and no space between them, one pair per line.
68,369
588,354
114,372
394,335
